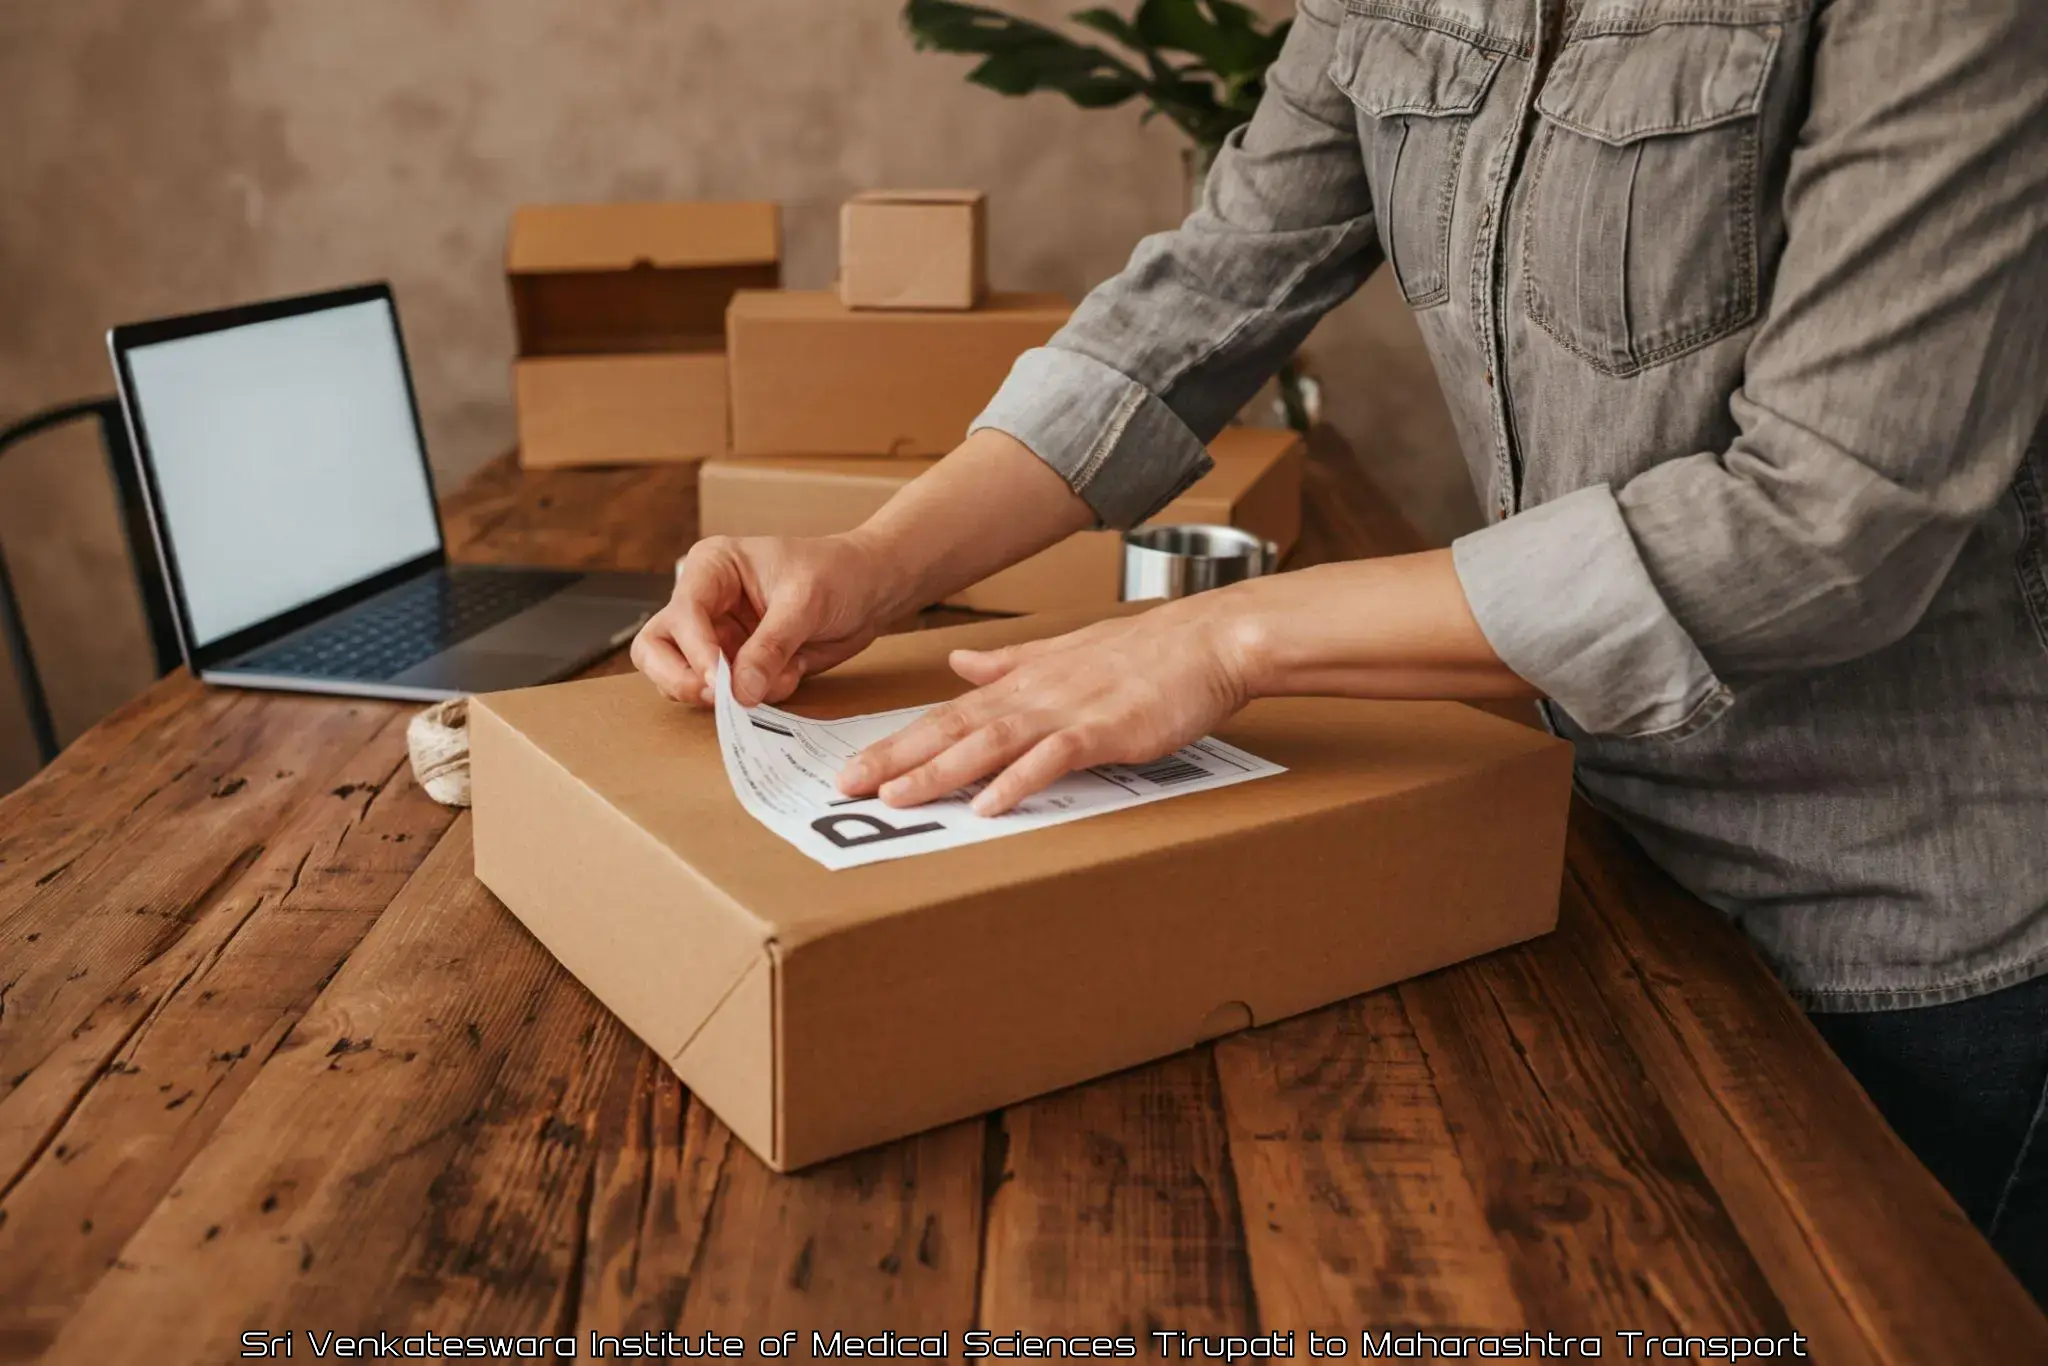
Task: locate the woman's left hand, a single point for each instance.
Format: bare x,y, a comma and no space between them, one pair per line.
1121,691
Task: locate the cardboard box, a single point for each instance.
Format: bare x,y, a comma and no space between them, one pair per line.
818,1012
620,316
1256,485
914,249
811,376
620,410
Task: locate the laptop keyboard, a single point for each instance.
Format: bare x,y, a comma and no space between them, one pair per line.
410,624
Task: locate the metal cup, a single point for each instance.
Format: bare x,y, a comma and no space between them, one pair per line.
1174,561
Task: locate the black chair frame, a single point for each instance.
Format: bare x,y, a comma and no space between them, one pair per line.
142,559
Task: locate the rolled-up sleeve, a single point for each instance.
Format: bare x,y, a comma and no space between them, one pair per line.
1889,396
1124,399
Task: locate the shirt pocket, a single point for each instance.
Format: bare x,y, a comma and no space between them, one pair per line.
1639,230
1416,84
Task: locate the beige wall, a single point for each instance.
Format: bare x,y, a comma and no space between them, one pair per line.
165,155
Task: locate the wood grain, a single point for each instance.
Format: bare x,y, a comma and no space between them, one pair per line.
660,1162
639,519
1583,1173
689,1232
128,905
1871,1256
415,1154
882,1240
236,986
1358,1209
1114,1210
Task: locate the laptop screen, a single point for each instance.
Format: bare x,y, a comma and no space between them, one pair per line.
286,459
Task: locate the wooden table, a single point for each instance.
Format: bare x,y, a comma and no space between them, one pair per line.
271,1059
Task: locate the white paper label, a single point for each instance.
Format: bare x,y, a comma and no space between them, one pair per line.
783,769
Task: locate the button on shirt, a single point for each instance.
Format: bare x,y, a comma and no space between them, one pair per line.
1741,310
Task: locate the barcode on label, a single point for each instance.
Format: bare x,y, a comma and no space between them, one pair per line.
1170,771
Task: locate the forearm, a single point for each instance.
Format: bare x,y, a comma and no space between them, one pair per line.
1397,627
983,508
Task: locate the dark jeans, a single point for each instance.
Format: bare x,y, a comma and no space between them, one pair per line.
1966,1086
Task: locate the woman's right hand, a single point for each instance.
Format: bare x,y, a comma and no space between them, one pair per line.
778,607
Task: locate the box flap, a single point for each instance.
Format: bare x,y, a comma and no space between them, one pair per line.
918,197
729,1063
596,237
1339,753
824,305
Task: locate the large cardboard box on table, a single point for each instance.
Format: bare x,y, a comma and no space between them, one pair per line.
811,376
620,314
1256,485
914,249
817,1012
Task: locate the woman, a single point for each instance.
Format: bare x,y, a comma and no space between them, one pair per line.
1741,307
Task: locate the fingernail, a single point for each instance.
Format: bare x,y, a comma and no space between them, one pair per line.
752,682
982,803
894,788
852,776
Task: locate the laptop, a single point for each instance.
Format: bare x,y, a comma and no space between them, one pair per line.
287,484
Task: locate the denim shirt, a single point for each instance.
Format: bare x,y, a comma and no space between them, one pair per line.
1741,309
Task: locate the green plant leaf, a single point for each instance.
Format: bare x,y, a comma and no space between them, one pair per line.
1019,56
1224,35
1206,97
1116,26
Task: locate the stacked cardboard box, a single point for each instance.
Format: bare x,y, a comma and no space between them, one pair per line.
1256,485
811,376
658,332
914,249
841,397
620,315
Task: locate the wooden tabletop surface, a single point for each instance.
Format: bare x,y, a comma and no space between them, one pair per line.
271,1060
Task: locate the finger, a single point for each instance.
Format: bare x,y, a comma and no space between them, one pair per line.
980,754
784,683
731,635
930,735
821,655
655,654
706,590
784,628
981,667
1045,763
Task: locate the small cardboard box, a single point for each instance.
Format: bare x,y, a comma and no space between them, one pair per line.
817,1012
914,249
620,315
1256,485
811,376
620,410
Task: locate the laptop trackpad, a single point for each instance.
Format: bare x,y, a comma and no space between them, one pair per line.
470,671
542,643
566,624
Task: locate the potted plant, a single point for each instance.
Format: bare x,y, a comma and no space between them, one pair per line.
1200,64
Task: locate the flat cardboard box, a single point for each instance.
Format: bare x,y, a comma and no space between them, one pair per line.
914,249
811,376
1256,485
817,1012
620,410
